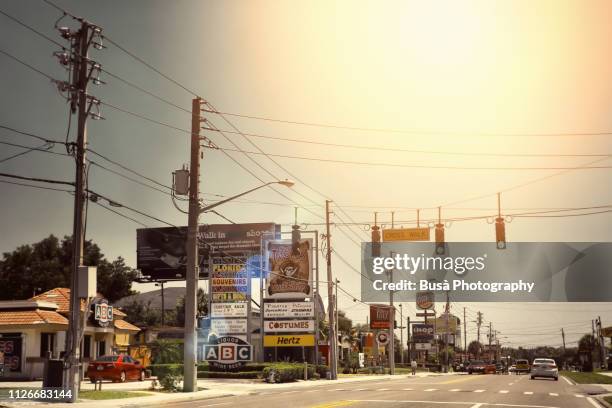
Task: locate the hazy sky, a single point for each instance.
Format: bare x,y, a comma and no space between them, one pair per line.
453,73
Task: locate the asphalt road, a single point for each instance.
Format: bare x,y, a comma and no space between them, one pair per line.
460,391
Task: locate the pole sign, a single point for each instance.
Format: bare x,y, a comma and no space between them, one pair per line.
289,326
228,353
380,316
298,340
422,333
290,271
229,282
288,309
405,234
233,309
425,300
162,252
228,326
103,313
382,338
422,346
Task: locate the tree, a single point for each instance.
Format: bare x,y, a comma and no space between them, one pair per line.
141,314
202,307
47,264
344,323
474,348
166,352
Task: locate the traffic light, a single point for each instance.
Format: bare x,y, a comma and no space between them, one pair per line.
375,241
395,324
296,236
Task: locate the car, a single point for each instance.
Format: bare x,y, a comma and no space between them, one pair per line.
481,367
544,367
512,368
522,366
117,367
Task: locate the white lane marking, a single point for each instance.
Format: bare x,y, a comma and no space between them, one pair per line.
567,381
510,383
477,405
503,391
479,390
553,394
593,403
338,389
430,389
359,389
528,393
383,389
455,390
579,396
214,405
408,389
470,403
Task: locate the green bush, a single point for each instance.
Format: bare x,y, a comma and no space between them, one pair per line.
247,367
169,375
286,372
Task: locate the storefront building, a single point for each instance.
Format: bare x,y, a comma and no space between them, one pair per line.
34,329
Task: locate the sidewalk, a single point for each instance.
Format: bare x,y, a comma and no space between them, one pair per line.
214,388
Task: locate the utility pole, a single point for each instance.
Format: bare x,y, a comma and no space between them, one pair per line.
193,268
163,311
409,339
446,332
336,325
464,334
563,337
391,326
490,338
81,75
478,324
401,334
333,369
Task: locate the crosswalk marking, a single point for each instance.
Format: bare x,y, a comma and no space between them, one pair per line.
479,390
528,393
339,389
384,389
503,391
361,389
553,394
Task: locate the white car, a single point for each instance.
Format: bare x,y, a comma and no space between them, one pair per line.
544,367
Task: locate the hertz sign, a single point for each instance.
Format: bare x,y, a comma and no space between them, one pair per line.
228,353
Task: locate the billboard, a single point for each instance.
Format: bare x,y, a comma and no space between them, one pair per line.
443,325
380,316
161,253
288,309
229,282
422,333
290,272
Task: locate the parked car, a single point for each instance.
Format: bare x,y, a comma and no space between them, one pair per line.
522,366
512,368
544,367
481,367
119,367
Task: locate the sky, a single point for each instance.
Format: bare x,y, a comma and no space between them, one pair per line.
505,77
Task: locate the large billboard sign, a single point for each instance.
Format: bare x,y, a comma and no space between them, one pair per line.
290,272
380,316
229,282
162,252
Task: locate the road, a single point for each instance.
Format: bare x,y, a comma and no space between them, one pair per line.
460,391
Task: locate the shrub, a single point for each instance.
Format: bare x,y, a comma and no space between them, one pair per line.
285,372
168,375
230,374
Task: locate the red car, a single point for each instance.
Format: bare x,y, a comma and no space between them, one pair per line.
120,367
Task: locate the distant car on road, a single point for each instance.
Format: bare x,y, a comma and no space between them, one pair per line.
544,367
512,368
481,367
522,366
119,367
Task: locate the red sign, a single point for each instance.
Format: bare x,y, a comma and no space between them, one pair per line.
380,316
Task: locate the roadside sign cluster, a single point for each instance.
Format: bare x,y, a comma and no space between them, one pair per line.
288,317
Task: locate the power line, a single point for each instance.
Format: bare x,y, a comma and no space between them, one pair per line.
405,150
42,180
414,166
35,186
414,132
28,65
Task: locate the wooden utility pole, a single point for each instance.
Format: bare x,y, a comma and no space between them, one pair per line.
72,375
464,334
333,368
193,268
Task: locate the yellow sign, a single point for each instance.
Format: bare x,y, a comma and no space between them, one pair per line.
406,234
229,296
289,340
